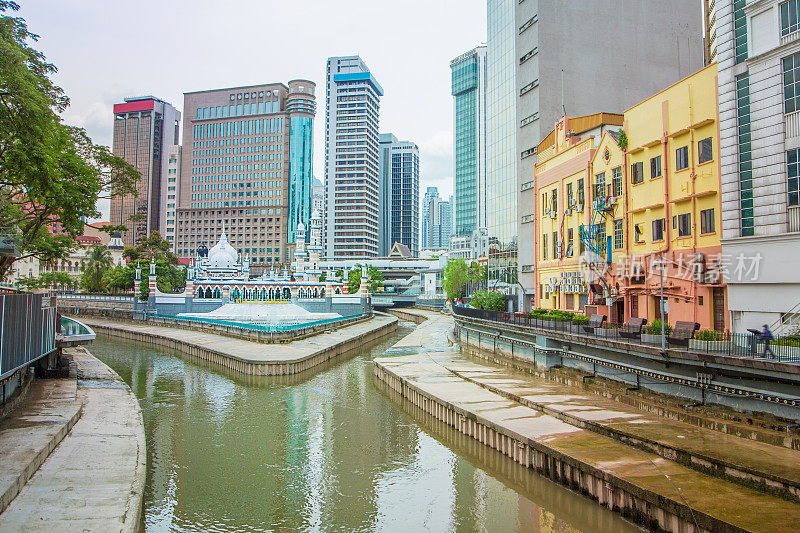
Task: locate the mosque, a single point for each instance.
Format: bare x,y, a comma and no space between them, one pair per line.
219,276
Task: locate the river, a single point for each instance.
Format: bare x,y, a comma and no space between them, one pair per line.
324,451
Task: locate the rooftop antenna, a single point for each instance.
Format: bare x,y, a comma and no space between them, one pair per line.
563,108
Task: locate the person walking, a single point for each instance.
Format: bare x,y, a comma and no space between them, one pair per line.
767,337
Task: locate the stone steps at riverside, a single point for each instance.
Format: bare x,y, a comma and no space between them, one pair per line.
620,476
94,479
33,430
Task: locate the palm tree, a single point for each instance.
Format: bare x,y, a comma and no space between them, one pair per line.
98,261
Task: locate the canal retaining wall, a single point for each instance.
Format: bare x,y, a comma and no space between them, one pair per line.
249,358
615,474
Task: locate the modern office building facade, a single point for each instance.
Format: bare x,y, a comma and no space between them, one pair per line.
440,220
399,194
235,172
144,129
710,31
468,87
430,194
170,194
658,44
758,58
501,132
352,185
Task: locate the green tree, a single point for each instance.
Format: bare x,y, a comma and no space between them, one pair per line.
456,275
98,262
48,280
374,278
49,171
488,300
119,279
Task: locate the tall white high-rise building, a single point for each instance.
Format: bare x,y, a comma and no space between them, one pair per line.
399,193
430,194
352,185
439,224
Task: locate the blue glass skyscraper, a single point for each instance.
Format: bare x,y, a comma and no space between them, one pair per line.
301,106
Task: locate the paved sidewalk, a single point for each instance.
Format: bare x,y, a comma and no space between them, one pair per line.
424,359
33,430
94,479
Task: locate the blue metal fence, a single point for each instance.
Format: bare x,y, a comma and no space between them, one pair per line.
27,329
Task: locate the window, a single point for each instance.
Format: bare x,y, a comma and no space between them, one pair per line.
637,233
618,234
791,83
601,238
789,17
683,223
544,245
637,172
704,148
554,200
793,175
707,221
545,210
655,167
658,229
556,255
568,244
581,197
599,186
682,158
570,197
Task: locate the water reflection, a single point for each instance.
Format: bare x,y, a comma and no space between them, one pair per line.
325,451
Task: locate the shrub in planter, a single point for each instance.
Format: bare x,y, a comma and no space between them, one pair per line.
580,319
708,335
654,328
539,312
488,300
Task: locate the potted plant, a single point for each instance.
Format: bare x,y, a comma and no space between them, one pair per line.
652,333
709,340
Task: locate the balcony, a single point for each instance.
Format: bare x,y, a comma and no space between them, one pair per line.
789,37
794,218
792,124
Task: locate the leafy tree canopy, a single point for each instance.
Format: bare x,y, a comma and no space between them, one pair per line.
374,277
49,171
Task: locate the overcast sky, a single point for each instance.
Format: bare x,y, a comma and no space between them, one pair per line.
106,50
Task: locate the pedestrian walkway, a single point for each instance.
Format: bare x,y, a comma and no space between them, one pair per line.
93,480
33,430
423,361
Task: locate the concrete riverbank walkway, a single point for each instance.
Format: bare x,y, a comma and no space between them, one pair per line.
94,479
544,425
252,358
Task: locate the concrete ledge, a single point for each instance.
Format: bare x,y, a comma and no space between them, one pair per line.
411,315
249,358
94,479
30,434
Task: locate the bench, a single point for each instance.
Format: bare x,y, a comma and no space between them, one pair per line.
682,332
595,321
632,328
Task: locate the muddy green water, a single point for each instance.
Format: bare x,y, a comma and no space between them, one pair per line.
325,451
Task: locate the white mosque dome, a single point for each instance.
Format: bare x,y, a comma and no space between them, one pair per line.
222,255
315,214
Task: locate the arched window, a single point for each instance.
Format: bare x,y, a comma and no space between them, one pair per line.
287,294
200,292
216,293
235,294
208,292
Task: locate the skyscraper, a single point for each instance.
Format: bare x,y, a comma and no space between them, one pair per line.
468,73
144,129
170,193
236,144
352,196
430,194
399,193
758,59
439,225
501,130
558,54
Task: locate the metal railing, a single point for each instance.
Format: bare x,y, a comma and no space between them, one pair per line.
188,320
745,345
27,330
97,297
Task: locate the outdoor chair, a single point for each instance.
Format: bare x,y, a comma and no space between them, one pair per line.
632,328
595,321
682,332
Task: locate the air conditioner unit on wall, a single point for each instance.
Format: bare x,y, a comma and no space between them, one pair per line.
553,214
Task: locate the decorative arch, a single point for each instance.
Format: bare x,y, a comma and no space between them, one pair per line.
235,293
208,293
217,294
200,292
287,294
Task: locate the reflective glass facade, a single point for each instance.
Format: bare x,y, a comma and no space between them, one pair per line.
301,153
501,149
468,73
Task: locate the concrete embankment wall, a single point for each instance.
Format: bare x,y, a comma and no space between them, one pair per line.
409,315
616,494
363,338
